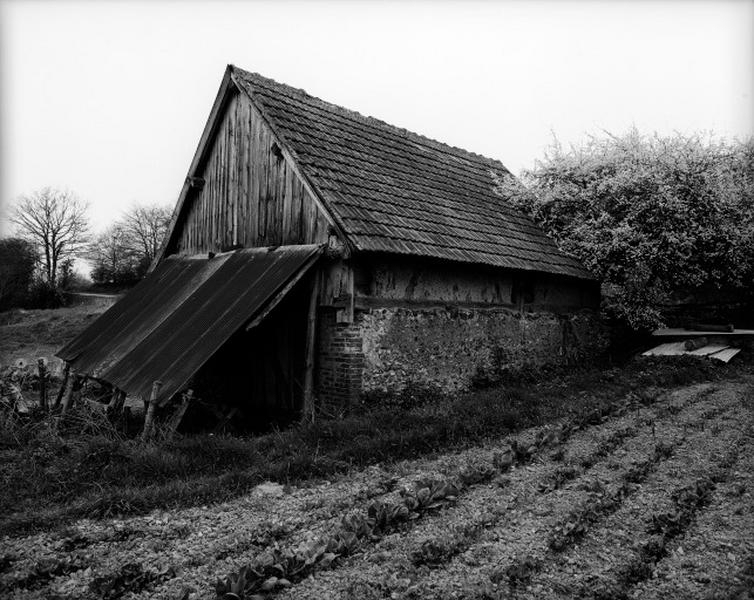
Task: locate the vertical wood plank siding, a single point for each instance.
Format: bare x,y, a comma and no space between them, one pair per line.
251,197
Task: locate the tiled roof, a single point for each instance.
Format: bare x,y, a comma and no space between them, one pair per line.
395,191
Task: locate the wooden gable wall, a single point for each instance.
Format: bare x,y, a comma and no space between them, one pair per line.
251,196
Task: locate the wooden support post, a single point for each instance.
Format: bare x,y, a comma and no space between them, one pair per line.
80,381
113,400
175,420
126,419
151,408
120,401
307,409
42,371
345,301
115,406
68,395
63,384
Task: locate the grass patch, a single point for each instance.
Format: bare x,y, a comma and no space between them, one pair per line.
29,334
50,479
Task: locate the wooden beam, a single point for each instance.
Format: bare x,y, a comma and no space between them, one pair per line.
366,302
116,402
63,384
68,395
346,297
338,290
146,433
307,409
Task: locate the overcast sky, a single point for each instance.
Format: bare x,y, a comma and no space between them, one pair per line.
109,99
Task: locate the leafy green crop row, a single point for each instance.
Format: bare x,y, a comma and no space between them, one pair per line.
279,569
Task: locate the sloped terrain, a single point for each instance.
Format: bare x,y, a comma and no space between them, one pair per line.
26,335
652,500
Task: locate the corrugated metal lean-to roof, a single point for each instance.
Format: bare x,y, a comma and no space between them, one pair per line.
174,320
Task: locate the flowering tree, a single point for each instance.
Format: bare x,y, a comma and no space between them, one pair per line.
648,215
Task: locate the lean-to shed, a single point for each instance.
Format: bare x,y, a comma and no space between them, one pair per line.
320,257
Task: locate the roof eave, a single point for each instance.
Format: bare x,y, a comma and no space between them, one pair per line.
579,273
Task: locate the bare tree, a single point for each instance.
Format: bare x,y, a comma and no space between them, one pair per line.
123,252
56,222
145,227
115,260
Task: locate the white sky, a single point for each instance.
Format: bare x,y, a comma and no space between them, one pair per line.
109,99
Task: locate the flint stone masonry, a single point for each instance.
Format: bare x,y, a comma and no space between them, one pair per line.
387,349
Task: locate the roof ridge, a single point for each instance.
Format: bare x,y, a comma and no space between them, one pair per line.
401,131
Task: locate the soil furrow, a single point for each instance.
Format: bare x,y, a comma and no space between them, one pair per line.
525,438
615,556
717,551
431,543
473,517
454,549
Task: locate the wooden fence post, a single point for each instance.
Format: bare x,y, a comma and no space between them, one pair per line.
151,408
113,400
42,371
175,420
68,395
63,384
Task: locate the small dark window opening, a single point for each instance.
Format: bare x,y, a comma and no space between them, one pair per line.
522,291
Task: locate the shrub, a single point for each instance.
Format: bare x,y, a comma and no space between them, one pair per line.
648,215
17,262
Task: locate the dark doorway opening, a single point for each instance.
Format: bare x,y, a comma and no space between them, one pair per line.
256,380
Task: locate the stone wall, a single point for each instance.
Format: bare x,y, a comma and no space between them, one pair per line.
423,323
387,349
455,348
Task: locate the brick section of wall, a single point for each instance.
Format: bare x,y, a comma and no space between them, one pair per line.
339,363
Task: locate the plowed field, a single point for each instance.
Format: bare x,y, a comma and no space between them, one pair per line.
655,500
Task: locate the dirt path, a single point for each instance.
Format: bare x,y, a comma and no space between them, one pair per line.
657,503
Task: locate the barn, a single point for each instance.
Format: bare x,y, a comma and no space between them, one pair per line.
319,260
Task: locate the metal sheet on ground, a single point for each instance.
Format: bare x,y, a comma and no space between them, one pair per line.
678,332
708,349
669,349
717,351
726,355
